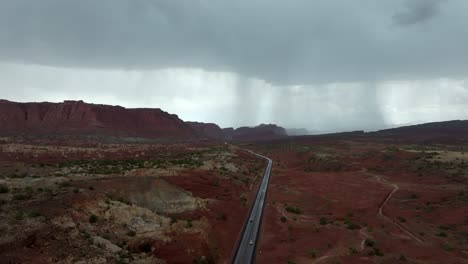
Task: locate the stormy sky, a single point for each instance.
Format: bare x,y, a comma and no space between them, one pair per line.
325,65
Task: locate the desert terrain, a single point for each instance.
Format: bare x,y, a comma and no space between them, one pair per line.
85,183
121,203
365,201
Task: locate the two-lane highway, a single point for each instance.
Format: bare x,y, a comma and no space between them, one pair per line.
245,252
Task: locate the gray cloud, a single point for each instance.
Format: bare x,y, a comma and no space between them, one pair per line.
282,42
324,65
418,11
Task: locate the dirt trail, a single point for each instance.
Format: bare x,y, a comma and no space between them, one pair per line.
382,205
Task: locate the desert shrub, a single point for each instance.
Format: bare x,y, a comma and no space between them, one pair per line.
291,262
64,184
21,196
401,219
189,224
352,250
15,175
204,260
369,242
351,225
312,253
442,227
131,233
223,216
378,252
294,209
93,218
323,220
34,214
402,257
447,247
441,234
4,188
283,219
243,200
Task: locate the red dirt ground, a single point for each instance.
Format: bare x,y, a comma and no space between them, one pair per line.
354,192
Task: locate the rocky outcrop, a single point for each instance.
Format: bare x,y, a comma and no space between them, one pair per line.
261,132
80,118
207,130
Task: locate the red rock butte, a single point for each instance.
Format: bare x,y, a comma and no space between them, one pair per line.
78,117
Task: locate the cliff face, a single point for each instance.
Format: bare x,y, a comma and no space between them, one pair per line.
207,130
77,117
261,132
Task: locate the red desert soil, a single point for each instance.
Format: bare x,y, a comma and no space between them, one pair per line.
324,202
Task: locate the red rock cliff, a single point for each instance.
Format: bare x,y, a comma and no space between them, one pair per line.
77,117
207,130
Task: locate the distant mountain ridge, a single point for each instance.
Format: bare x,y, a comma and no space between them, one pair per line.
453,128
80,118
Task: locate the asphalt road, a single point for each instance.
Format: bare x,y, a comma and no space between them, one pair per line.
245,252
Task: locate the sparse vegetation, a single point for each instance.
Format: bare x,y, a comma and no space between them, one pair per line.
441,234
4,188
323,220
294,209
131,233
369,242
93,218
312,253
351,225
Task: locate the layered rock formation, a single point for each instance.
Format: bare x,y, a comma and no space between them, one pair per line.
78,117
261,132
207,130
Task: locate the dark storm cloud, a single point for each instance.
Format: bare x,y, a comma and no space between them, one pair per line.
282,42
418,11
